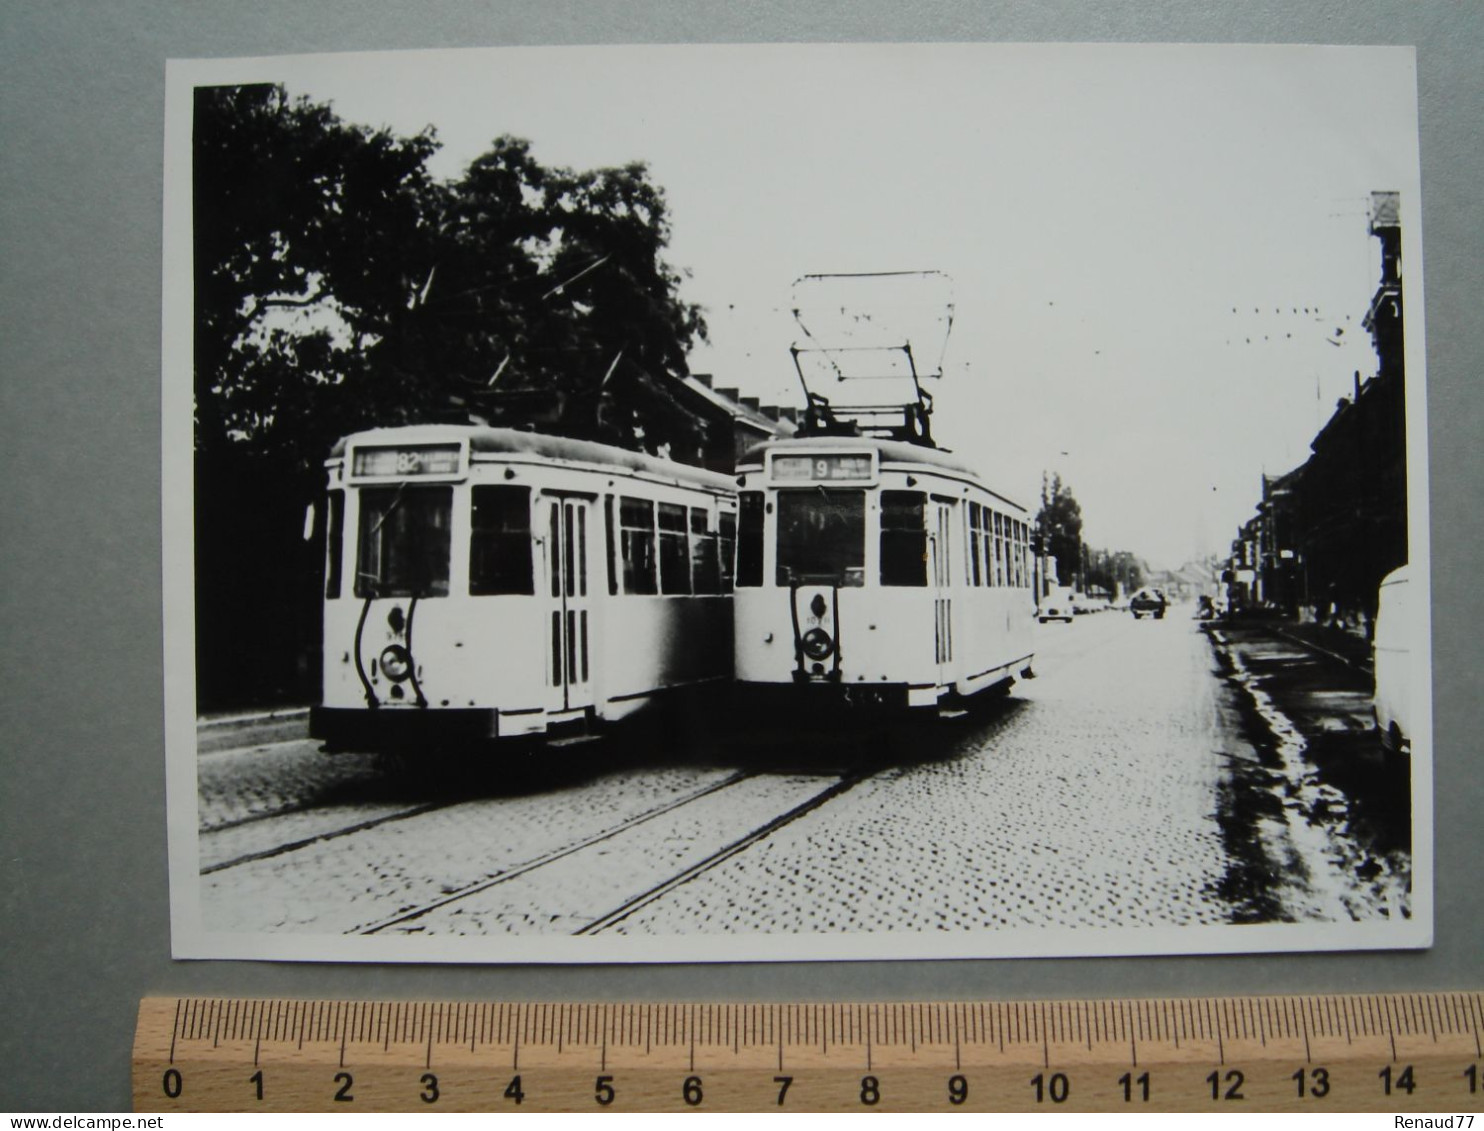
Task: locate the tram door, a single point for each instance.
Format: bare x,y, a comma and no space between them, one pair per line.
567,522
940,554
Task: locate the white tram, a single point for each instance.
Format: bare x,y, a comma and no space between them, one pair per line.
483,583
878,572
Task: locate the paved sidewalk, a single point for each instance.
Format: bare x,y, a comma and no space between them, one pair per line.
1308,694
230,731
1346,647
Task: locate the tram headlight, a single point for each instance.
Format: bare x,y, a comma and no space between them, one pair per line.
396,663
817,644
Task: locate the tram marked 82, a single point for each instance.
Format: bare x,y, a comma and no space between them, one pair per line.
484,583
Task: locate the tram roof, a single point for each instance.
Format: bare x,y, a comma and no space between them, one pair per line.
891,451
896,452
510,441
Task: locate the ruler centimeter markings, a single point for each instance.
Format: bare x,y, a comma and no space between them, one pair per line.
1391,1052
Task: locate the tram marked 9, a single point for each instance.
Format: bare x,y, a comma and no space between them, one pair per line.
877,572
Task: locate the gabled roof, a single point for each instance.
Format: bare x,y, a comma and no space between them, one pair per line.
739,412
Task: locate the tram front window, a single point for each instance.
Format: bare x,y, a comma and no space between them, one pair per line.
403,548
822,537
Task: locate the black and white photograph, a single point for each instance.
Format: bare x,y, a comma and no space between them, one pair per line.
769,502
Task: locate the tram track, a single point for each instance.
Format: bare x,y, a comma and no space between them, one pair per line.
548,858
624,910
531,871
283,812
413,811
305,841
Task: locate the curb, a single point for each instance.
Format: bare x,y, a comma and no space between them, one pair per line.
282,714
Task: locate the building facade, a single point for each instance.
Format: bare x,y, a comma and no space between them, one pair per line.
1326,533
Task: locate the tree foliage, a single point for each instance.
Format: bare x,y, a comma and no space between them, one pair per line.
310,237
1114,570
1059,528
338,285
1059,536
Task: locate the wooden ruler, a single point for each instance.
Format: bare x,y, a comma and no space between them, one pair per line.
1401,1052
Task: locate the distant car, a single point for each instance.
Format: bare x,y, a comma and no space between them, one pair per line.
1087,603
1391,655
1056,605
1149,602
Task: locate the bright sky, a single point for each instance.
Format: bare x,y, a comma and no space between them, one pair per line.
1151,248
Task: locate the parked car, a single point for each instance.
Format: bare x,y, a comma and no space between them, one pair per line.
1056,605
1391,655
1150,602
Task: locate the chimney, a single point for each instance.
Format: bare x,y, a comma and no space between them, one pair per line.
703,378
769,410
750,402
730,394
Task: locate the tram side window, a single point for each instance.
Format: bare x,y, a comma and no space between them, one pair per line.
403,549
999,550
610,545
705,564
1020,554
726,547
903,538
334,541
636,543
750,538
821,537
989,548
976,531
984,550
986,546
674,550
500,541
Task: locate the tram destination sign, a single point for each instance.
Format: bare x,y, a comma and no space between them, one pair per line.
853,467
397,461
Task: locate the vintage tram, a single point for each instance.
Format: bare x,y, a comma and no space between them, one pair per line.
875,568
875,571
485,583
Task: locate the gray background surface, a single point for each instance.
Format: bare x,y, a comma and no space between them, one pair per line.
84,901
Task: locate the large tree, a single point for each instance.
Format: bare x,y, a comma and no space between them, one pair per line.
558,305
337,286
1059,528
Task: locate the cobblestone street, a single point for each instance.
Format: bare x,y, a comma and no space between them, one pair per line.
1150,777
